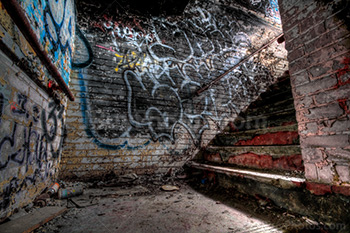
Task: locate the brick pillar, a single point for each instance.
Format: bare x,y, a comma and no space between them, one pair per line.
318,41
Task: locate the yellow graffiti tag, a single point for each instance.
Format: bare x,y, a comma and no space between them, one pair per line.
129,60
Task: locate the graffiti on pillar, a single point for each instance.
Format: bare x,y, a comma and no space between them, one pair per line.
162,63
54,23
31,142
272,11
31,127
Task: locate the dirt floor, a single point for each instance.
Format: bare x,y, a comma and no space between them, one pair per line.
147,208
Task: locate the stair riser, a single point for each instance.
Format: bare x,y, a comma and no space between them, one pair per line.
251,160
285,163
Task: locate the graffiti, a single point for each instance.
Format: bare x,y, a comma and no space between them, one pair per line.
345,105
28,145
31,128
131,33
343,79
90,129
272,11
59,26
255,2
58,23
162,66
267,7
57,18
1,105
129,60
84,47
342,76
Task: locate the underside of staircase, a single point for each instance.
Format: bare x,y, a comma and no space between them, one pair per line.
259,154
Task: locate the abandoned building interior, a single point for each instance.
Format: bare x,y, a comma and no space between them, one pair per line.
175,116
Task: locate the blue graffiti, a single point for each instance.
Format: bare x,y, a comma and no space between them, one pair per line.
88,125
272,11
1,105
88,52
79,65
58,17
55,22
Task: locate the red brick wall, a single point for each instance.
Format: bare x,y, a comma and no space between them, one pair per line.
318,41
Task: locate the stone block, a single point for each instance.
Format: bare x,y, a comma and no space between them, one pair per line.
312,155
305,102
325,174
310,171
343,173
292,33
299,78
325,141
333,95
330,111
337,126
318,189
338,155
296,54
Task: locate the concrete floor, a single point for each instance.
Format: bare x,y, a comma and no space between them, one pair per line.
136,209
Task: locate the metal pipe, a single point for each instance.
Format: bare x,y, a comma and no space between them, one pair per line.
198,92
18,16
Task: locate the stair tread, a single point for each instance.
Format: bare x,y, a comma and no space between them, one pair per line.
257,146
272,150
262,131
251,173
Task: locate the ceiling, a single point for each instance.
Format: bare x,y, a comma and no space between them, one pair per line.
139,7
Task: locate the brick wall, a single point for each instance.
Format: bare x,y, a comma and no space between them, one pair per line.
318,41
136,108
31,122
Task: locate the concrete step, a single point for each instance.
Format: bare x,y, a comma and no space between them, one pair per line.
287,190
284,180
281,135
275,151
286,158
272,119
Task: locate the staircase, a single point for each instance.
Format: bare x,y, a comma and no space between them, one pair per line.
258,153
263,139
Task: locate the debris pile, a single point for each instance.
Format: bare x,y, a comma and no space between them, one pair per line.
46,198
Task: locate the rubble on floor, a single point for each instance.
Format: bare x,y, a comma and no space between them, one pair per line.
189,209
142,204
